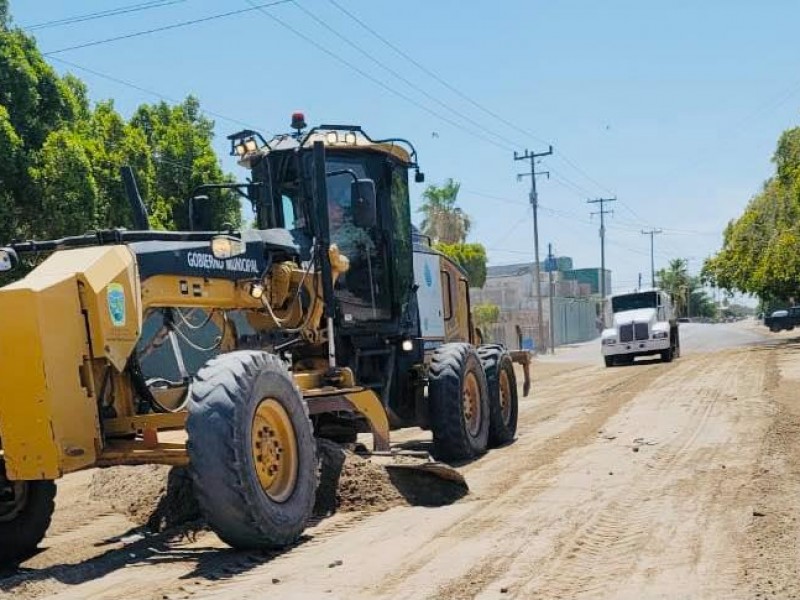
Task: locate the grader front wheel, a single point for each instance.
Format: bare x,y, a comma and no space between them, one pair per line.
252,451
26,508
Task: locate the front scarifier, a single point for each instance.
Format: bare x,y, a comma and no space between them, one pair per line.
252,451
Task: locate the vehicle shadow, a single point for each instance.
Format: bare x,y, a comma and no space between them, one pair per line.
210,563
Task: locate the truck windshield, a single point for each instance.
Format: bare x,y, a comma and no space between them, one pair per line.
634,301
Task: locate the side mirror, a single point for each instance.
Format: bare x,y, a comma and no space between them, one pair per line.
191,203
363,200
227,246
8,259
419,176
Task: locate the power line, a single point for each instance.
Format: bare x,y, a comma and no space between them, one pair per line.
513,126
370,77
122,10
516,224
146,90
433,75
167,27
400,76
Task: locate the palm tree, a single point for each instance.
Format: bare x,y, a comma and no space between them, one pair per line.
444,221
676,281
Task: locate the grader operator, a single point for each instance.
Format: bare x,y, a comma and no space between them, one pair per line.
326,320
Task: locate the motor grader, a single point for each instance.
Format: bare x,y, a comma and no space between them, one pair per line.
328,319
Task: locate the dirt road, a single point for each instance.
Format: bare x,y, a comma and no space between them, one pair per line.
653,481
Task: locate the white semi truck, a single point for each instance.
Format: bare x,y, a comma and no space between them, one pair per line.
641,324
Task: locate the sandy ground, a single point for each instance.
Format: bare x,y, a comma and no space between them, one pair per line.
652,481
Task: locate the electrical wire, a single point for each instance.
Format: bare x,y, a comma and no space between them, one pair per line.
373,79
122,10
516,127
401,77
167,27
144,90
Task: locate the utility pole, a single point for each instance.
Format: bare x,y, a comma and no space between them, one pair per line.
550,268
639,287
652,233
602,212
534,198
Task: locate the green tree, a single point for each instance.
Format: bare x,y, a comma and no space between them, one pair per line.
470,257
674,279
443,221
686,291
759,251
60,157
485,314
180,139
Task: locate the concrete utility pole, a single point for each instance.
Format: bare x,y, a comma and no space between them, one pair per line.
532,156
652,233
602,212
550,264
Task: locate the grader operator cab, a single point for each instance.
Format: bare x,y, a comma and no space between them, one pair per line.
329,319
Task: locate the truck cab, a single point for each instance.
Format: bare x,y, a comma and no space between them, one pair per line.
642,324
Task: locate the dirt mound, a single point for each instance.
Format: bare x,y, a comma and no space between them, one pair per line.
161,497
156,496
350,483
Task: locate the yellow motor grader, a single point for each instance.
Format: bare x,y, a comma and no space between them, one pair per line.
331,318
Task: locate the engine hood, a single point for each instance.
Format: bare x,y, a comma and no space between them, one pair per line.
639,315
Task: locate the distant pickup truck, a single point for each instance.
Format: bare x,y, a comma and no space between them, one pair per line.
787,318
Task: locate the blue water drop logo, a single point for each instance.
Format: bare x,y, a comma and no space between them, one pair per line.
428,275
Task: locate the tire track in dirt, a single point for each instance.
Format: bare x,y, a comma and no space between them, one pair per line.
516,476
609,534
182,586
769,547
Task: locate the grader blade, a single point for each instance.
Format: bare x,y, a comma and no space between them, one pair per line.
421,480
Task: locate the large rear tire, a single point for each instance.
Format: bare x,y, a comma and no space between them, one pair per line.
502,386
459,403
252,451
26,508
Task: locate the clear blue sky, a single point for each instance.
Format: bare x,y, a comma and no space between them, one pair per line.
674,107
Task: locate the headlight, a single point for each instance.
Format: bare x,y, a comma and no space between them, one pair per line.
8,259
660,335
609,341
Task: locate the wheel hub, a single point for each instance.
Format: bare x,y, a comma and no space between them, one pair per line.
471,397
274,450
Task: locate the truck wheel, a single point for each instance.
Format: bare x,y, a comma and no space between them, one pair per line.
666,355
26,508
252,451
609,360
459,403
503,402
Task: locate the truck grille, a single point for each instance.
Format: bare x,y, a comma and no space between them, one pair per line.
626,333
640,331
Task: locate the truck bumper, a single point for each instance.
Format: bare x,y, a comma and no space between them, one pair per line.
636,348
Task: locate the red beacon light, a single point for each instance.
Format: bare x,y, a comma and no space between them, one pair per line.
298,122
